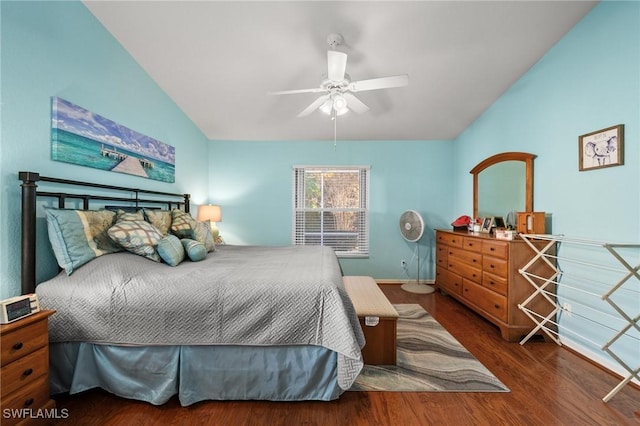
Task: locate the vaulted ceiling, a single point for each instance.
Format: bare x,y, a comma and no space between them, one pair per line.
217,60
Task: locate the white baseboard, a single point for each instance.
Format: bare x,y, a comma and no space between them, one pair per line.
402,281
598,358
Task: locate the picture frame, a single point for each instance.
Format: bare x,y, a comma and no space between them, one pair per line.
602,148
487,224
84,138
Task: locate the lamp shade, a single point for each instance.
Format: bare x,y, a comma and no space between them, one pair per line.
209,212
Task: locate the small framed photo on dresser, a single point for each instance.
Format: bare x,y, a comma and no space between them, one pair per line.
487,224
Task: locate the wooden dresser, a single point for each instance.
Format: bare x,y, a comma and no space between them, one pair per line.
24,372
482,272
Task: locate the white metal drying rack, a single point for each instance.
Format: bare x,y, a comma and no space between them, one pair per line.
541,285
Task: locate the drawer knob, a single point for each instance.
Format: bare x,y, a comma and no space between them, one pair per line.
27,372
17,346
28,402
492,249
496,306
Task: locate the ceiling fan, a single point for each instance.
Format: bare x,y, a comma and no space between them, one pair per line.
337,88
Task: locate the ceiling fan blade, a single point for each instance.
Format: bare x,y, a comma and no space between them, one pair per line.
314,105
337,64
291,92
379,83
355,104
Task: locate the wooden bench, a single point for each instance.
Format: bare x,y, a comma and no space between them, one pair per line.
378,319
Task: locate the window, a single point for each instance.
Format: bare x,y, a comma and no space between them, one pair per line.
331,208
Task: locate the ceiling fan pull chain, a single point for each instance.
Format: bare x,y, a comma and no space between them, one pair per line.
335,128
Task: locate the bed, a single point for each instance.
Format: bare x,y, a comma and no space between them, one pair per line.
245,322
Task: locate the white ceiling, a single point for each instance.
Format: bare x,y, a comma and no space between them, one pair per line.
217,60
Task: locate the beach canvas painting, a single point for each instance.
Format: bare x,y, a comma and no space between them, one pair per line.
81,137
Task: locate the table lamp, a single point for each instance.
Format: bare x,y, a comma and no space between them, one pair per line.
212,214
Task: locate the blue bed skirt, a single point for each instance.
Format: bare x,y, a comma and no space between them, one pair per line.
196,373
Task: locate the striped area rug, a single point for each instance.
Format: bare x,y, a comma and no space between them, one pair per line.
429,359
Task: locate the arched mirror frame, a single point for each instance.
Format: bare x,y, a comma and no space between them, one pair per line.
499,158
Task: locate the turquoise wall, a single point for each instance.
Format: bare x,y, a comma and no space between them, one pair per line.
252,181
589,80
60,49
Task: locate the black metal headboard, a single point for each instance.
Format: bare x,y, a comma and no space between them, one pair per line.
29,194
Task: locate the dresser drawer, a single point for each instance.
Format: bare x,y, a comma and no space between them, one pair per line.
472,244
23,341
495,266
467,271
495,283
442,252
24,370
495,248
449,239
487,300
474,259
448,280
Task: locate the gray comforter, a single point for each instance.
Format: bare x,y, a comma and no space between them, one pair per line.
238,295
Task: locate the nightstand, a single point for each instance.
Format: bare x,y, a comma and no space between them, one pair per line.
24,372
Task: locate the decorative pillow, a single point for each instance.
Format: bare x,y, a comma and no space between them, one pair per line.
161,219
171,250
137,236
182,224
202,233
195,250
122,215
78,236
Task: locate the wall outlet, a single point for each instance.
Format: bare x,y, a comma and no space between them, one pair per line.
567,308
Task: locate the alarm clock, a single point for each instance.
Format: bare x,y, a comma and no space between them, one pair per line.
18,307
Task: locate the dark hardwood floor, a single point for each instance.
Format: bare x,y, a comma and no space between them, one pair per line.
549,385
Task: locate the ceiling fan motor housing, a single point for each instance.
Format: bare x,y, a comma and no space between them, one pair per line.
334,40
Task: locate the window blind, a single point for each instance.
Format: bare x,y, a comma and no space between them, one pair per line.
331,208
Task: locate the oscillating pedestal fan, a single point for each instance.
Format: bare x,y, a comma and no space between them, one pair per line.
412,228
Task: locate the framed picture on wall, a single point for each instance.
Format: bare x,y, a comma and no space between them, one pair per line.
602,148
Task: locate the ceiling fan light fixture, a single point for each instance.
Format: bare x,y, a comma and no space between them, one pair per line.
339,103
342,111
327,106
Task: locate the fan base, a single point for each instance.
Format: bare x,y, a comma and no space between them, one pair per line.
418,288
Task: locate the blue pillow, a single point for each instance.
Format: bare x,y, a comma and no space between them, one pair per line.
78,236
196,251
171,250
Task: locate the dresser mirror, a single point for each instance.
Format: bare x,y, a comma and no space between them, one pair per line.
503,183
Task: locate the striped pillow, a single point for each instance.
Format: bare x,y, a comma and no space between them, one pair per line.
171,250
195,250
78,236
